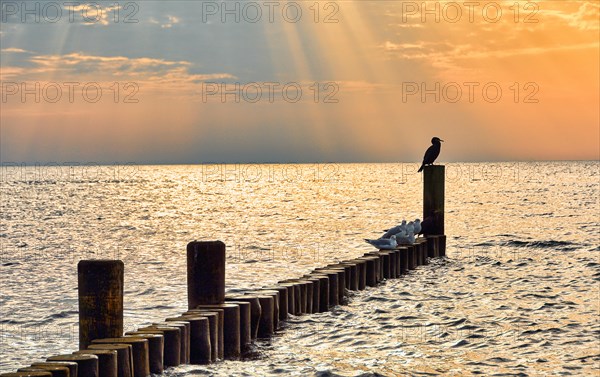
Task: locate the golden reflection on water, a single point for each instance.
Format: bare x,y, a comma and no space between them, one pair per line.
519,292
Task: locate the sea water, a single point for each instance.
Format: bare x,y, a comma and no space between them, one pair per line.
518,293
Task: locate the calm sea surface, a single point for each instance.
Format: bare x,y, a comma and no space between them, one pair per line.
519,293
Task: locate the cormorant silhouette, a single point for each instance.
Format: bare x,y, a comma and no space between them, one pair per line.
432,152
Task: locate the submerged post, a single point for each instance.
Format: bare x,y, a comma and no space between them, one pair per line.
205,273
100,286
433,196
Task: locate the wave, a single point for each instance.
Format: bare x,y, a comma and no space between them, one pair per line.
551,244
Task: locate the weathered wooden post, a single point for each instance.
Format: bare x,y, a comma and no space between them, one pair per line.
87,365
434,177
292,299
205,273
341,281
275,294
231,328
124,357
107,361
72,367
100,286
323,304
200,346
334,287
215,327
411,264
184,337
55,370
255,310
316,287
178,321
283,300
361,265
156,349
245,323
403,259
39,373
172,339
442,245
140,353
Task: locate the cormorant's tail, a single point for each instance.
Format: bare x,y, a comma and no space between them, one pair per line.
421,168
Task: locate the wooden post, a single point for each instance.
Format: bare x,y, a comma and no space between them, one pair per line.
139,350
205,273
175,321
184,337
156,349
107,361
433,196
71,366
422,242
275,294
87,365
403,260
215,330
305,289
291,288
341,272
124,357
200,345
245,324
55,370
266,327
100,287
442,245
315,295
37,372
332,275
255,310
361,266
410,261
372,270
283,300
231,328
323,304
172,338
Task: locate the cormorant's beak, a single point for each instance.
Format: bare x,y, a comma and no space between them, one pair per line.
441,140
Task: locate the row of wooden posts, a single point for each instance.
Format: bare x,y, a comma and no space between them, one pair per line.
217,326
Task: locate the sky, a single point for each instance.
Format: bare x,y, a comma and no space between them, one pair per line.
305,81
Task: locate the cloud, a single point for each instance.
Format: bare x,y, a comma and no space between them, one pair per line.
167,24
152,73
15,50
586,18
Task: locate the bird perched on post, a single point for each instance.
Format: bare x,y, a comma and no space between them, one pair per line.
432,153
427,226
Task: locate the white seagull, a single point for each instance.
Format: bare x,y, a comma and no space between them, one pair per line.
417,226
384,243
394,230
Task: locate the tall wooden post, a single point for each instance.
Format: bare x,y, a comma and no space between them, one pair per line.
205,273
100,286
433,196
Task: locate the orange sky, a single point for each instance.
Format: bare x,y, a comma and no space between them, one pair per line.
375,57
